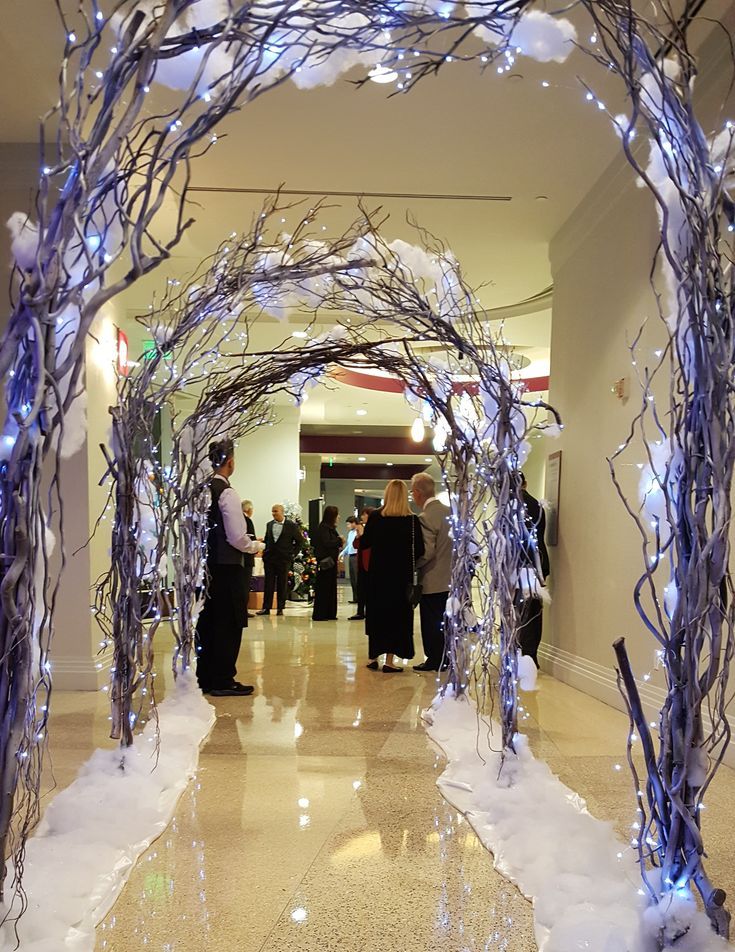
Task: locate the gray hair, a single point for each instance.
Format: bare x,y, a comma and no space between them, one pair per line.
425,483
247,504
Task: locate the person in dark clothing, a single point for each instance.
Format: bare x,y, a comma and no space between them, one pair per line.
248,558
282,542
362,564
394,539
327,544
224,615
535,559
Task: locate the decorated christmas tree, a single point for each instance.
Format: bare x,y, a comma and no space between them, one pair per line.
303,572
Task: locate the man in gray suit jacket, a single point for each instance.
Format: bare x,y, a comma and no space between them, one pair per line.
435,568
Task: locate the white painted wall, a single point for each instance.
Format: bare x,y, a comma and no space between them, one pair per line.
310,487
267,465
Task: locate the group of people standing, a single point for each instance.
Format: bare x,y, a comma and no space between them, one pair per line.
400,560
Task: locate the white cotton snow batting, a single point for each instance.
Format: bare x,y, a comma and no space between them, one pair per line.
94,831
543,37
527,673
23,240
582,880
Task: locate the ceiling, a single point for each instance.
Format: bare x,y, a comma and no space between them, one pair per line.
462,133
530,136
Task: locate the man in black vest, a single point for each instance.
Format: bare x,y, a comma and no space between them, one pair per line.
283,541
224,615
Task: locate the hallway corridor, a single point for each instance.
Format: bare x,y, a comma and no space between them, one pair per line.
314,823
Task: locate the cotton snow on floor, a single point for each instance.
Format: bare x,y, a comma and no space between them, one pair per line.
583,881
93,831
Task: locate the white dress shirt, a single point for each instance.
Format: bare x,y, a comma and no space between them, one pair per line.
236,529
349,548
277,529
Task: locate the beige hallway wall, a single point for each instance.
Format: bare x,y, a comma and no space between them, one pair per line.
601,259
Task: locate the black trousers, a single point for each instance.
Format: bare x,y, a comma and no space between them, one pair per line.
352,568
361,591
276,581
248,583
431,609
220,625
325,595
530,620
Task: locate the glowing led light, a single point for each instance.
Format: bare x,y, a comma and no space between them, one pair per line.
299,914
298,730
300,334
361,412
303,802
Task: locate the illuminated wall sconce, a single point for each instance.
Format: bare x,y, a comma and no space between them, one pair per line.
418,430
123,351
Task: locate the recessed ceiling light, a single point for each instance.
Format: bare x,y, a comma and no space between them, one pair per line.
299,334
381,74
361,459
515,76
361,412
542,198
389,464
427,459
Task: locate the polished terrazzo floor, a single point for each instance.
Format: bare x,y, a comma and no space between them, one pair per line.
314,823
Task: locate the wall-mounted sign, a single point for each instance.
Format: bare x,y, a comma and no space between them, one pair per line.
551,493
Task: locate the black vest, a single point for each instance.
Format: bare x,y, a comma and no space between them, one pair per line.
219,550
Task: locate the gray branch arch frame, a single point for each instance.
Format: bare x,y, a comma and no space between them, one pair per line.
106,171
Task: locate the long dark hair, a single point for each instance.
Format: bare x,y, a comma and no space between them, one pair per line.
330,516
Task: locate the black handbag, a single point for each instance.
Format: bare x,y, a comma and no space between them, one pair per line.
326,564
414,590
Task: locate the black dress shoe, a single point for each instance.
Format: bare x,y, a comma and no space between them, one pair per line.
244,688
279,612
251,615
264,611
235,690
425,666
356,618
389,669
372,666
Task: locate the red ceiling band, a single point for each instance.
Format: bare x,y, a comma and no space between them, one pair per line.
383,384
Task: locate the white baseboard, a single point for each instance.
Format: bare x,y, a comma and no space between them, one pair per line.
600,682
79,674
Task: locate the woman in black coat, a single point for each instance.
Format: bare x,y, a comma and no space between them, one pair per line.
327,544
394,539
